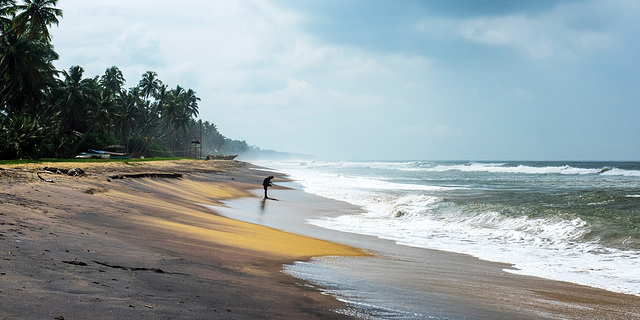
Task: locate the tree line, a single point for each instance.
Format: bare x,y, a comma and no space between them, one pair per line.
47,113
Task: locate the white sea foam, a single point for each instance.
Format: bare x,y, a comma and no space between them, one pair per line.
621,172
497,167
418,215
549,248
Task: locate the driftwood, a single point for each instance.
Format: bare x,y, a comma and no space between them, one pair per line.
71,172
147,175
75,172
45,180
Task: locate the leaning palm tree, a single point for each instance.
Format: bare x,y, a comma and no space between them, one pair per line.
35,18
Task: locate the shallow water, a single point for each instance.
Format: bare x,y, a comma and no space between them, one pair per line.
576,222
397,283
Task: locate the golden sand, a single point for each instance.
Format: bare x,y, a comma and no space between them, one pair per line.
198,223
175,205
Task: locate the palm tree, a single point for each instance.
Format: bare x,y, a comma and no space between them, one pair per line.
35,18
127,113
162,97
21,135
172,110
26,73
79,101
7,8
191,101
149,84
112,80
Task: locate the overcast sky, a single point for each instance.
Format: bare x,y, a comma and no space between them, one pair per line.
403,80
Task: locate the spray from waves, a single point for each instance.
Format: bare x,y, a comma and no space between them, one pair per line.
488,167
551,247
525,169
354,189
475,167
621,172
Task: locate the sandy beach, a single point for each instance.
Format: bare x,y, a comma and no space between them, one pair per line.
126,241
106,246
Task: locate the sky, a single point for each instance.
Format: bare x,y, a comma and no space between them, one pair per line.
384,80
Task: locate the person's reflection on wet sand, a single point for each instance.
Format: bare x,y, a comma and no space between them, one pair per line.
262,205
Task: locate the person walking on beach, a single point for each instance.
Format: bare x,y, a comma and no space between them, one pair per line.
266,183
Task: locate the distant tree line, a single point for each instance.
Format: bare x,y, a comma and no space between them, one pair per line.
47,113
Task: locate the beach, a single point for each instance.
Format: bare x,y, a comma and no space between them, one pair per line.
193,239
106,246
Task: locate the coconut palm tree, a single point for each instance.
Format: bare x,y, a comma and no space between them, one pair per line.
149,84
79,101
35,18
7,8
191,103
20,136
161,97
26,73
112,80
127,113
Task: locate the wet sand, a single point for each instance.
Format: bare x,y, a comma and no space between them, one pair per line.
407,283
105,247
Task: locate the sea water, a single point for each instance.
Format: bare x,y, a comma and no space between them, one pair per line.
571,221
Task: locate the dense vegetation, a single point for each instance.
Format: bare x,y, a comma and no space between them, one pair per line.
46,112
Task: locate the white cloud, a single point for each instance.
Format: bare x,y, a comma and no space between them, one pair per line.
138,44
549,35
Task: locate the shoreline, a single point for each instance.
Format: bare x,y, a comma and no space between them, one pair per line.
441,284
103,247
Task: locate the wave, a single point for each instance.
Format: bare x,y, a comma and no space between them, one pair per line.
521,169
621,172
492,168
551,247
438,205
439,215
489,167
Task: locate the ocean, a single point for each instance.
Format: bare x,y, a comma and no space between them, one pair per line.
571,221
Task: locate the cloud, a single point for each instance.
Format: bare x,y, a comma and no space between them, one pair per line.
324,76
138,44
548,35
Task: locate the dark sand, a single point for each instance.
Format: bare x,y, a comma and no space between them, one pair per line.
98,247
429,283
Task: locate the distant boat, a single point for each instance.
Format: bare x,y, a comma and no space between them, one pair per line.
100,154
117,152
220,157
92,155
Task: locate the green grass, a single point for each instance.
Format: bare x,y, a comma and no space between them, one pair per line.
126,161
